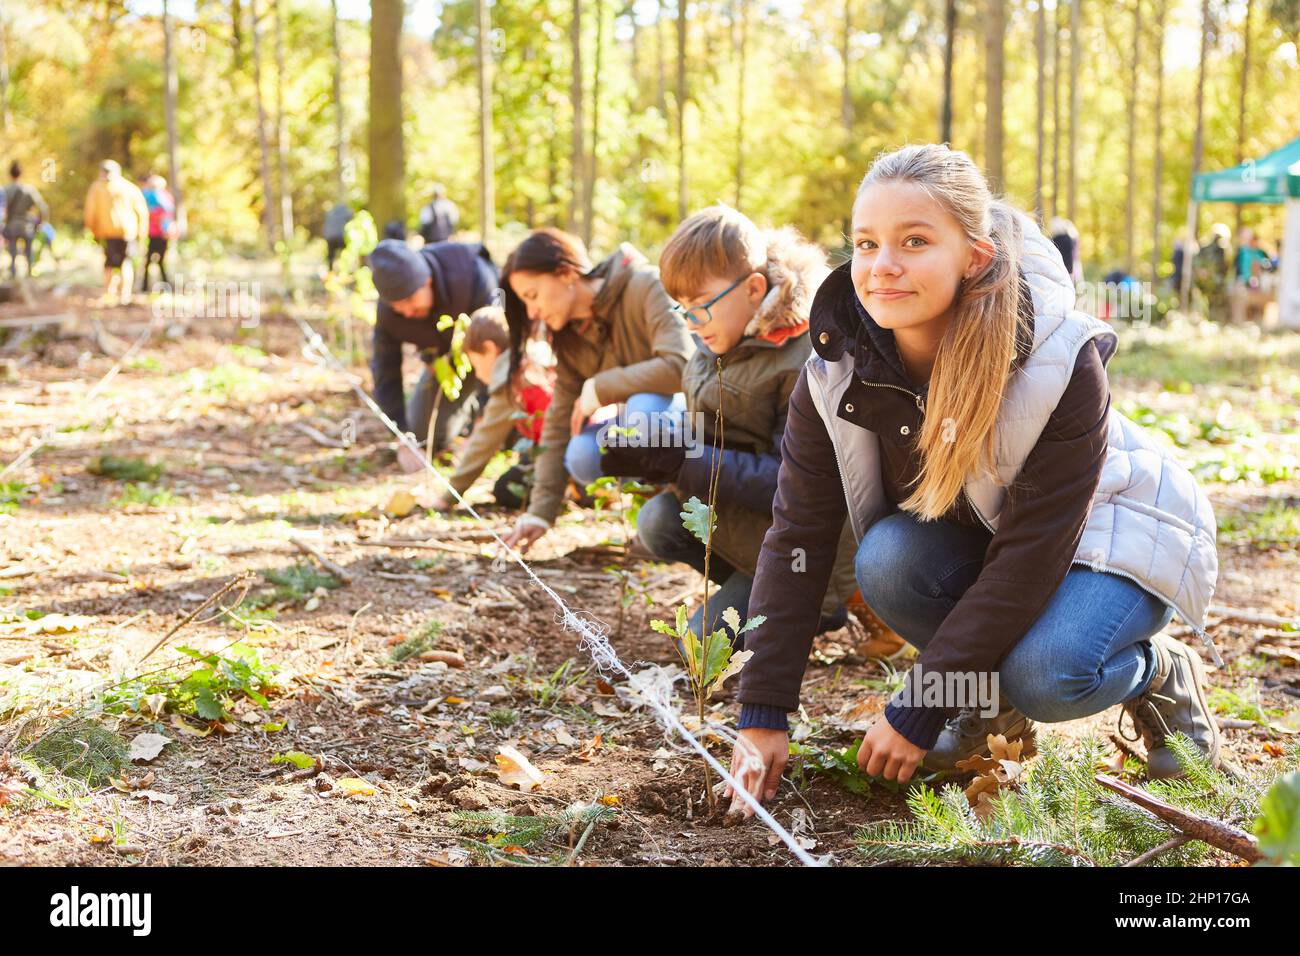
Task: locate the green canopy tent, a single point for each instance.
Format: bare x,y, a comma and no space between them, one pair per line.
1272,179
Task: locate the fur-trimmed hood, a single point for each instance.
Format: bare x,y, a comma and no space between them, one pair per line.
795,268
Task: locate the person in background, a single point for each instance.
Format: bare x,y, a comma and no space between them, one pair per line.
439,217
117,216
616,340
487,345
162,227
745,292
1250,259
335,231
24,210
416,288
1065,237
1210,269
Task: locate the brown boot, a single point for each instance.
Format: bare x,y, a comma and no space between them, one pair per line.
1173,702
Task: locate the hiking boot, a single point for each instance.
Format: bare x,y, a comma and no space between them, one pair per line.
966,735
1173,702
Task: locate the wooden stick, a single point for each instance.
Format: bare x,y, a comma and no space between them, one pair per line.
319,437
1250,617
337,570
421,546
1216,834
20,321
1155,851
228,586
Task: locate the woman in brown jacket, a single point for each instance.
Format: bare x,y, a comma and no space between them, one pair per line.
616,339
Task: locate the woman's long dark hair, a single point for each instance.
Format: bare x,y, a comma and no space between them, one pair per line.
544,251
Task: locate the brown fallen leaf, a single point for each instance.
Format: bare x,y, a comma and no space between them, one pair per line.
514,769
589,749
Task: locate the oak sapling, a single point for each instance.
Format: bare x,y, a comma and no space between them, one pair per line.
712,658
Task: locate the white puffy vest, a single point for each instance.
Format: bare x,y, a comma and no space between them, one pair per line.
1150,521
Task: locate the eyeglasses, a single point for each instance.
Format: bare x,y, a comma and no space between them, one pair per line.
692,315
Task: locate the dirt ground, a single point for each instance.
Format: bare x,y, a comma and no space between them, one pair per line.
242,475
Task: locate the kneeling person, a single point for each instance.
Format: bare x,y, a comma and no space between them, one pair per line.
746,294
487,345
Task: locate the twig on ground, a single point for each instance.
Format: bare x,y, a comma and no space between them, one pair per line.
1216,834
225,589
332,567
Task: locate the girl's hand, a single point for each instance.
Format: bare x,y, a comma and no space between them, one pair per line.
885,751
757,762
526,531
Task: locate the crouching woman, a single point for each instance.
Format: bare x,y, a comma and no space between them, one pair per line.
1010,523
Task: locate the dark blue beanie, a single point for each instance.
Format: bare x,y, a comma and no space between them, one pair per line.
397,269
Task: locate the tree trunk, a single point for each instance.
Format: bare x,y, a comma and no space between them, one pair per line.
1056,109
1157,173
387,155
282,130
589,181
1130,199
1242,93
4,78
636,100
1072,144
661,95
740,102
682,192
486,165
1198,149
341,174
995,29
1040,106
949,37
169,113
577,159
263,147
846,92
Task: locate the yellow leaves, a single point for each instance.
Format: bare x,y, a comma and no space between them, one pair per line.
401,504
610,800
50,624
185,727
354,787
514,769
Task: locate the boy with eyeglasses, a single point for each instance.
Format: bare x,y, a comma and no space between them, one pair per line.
745,293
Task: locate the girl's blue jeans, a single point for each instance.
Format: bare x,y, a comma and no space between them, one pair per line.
1088,650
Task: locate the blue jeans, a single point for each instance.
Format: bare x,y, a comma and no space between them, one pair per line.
582,456
1088,650
659,526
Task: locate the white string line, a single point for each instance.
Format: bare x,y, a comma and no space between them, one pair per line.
591,631
45,435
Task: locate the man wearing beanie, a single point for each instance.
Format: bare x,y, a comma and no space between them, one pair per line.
416,288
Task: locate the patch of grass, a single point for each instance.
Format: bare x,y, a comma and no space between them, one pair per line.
1184,356
1231,704
80,749
226,378
297,583
125,469
549,690
417,643
13,494
143,494
145,363
1275,525
501,718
